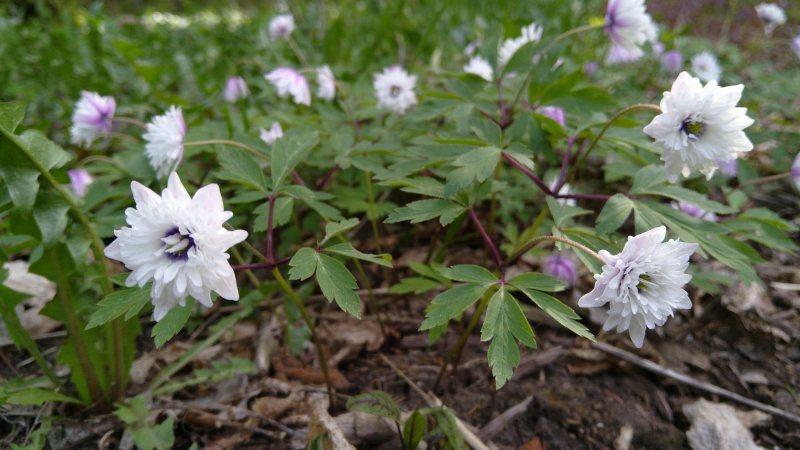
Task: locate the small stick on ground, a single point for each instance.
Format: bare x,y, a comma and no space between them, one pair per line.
686,379
497,424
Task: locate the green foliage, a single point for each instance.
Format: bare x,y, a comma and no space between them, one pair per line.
505,323
146,435
377,403
414,430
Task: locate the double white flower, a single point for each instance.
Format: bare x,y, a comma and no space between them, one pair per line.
530,33
480,67
706,66
178,242
92,118
772,15
271,135
700,127
628,24
164,138
394,88
281,26
326,84
643,284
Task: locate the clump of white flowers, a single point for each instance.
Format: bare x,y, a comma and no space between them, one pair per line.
699,127
530,33
326,84
164,138
271,135
643,284
178,243
394,88
772,15
628,25
479,66
290,82
92,118
706,66
281,26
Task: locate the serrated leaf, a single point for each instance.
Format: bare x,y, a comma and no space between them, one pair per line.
303,264
503,323
562,213
240,167
614,213
562,313
337,283
476,165
469,273
422,210
126,302
648,177
11,114
377,403
689,196
416,285
451,303
346,249
50,215
172,323
537,281
333,229
288,152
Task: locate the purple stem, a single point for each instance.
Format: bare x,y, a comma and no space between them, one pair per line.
270,213
536,180
585,196
488,240
322,182
562,176
263,265
298,179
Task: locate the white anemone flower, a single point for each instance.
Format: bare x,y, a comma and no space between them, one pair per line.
326,84
480,67
290,82
164,138
394,88
772,15
281,26
706,66
643,284
618,54
530,33
700,127
92,118
178,242
235,89
628,24
273,134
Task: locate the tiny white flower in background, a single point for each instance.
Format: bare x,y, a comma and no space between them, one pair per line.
795,45
795,172
394,88
79,181
643,284
178,242
620,55
281,26
699,127
326,84
235,89
273,134
290,82
565,190
706,66
628,24
92,118
480,67
530,33
772,15
164,138
695,211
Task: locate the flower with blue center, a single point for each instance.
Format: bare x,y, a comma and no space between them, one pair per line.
628,25
92,118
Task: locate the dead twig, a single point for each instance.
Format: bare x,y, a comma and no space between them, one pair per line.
686,379
498,423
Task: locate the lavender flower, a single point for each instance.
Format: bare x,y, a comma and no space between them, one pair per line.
795,45
555,113
92,118
80,181
290,82
590,67
643,284
235,89
695,211
561,267
672,61
728,168
628,24
795,171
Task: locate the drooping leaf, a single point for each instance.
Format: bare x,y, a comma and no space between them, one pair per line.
333,229
537,281
451,303
422,210
562,313
346,249
504,324
303,264
241,167
614,213
172,323
337,283
127,302
476,165
469,273
11,114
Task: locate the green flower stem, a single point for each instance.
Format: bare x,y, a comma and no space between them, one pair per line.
228,142
372,212
323,359
454,356
130,120
533,242
97,250
766,179
242,105
373,302
636,107
556,40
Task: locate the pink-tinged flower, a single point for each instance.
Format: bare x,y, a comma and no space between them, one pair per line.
795,45
179,243
394,88
290,82
672,61
92,118
561,267
273,134
281,26
555,113
164,138
621,55
326,84
628,24
658,48
591,67
695,211
795,171
79,181
235,89
728,168
699,127
643,284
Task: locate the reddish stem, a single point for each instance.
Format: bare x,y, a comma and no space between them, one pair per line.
324,180
488,240
270,213
602,197
562,176
298,179
536,180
